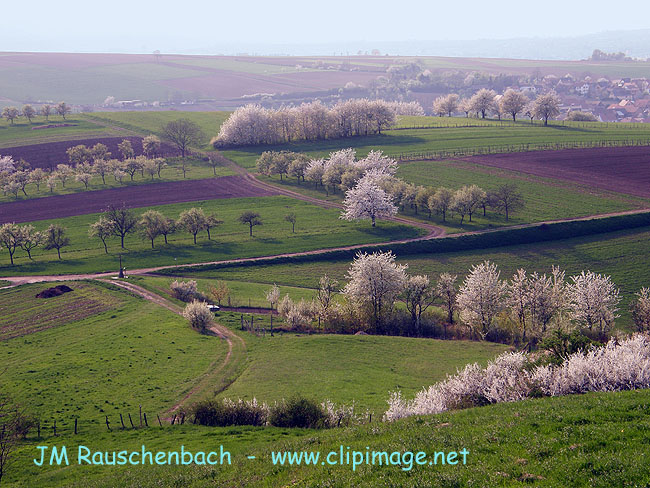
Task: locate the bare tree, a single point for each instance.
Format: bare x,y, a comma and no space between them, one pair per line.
418,295
122,221
446,289
55,238
507,198
250,218
291,218
183,133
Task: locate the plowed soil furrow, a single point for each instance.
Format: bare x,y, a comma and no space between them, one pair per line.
618,169
59,206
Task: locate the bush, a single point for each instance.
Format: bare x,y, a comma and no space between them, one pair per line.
184,291
298,412
617,366
198,315
222,413
561,345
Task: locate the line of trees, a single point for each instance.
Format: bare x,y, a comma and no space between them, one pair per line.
27,238
536,305
253,124
372,191
511,103
85,163
29,112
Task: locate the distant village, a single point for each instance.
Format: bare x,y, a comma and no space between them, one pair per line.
617,100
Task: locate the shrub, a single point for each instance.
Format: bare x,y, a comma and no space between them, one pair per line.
198,315
298,412
184,291
222,413
623,365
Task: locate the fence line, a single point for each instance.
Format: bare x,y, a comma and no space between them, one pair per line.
511,148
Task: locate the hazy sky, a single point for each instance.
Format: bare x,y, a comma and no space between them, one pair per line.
182,25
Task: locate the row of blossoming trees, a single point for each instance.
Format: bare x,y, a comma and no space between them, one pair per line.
511,103
373,191
484,303
253,124
84,164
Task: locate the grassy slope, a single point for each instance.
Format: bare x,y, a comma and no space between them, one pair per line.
592,440
623,255
359,369
107,364
316,228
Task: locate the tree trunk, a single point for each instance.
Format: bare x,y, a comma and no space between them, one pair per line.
194,238
250,230
58,251
122,240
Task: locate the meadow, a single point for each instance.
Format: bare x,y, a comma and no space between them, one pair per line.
316,228
108,362
592,440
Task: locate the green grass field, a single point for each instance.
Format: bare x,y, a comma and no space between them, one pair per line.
619,254
594,440
152,122
405,142
127,354
21,133
316,228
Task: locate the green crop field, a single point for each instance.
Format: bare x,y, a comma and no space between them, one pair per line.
316,228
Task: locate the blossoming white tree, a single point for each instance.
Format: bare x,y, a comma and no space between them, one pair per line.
641,310
593,301
481,297
367,201
375,280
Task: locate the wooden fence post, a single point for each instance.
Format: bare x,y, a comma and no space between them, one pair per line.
55,427
173,419
140,415
75,426
108,426
159,422
122,421
145,420
131,420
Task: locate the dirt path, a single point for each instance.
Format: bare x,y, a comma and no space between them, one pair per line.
216,367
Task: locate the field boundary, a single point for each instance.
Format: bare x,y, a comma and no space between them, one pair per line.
485,239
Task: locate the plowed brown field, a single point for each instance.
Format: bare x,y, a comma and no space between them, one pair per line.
133,196
619,169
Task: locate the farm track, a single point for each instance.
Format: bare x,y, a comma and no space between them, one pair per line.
204,382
